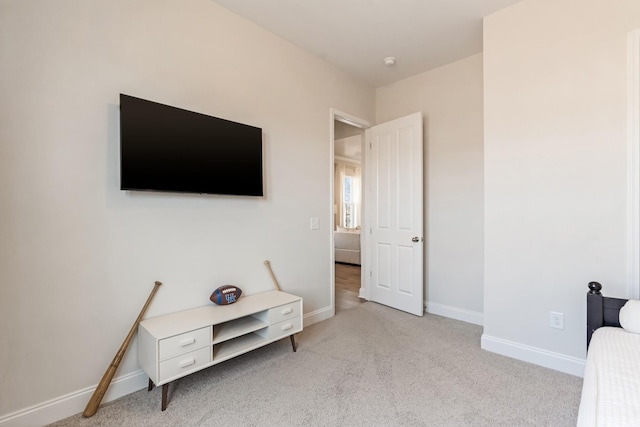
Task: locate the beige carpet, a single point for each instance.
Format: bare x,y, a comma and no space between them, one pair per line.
367,366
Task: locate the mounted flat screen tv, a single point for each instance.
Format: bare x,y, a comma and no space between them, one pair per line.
164,148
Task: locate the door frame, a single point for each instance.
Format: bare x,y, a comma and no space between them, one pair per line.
341,116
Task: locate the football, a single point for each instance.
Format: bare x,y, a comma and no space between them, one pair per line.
225,295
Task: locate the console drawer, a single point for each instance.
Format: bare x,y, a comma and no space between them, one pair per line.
184,343
285,328
185,363
283,312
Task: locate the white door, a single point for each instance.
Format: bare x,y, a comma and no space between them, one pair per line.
394,213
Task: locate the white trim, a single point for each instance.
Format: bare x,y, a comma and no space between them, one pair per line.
365,233
73,403
475,317
332,215
633,187
349,119
537,356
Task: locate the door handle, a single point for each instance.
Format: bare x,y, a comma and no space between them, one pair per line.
187,362
416,239
187,342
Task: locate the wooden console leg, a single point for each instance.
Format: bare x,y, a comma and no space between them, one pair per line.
293,343
150,385
165,389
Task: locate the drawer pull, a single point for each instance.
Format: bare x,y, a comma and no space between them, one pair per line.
187,342
287,327
187,362
287,310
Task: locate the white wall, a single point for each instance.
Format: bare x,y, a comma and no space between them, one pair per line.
78,256
450,99
555,171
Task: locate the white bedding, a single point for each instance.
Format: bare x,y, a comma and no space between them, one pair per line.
347,246
347,240
611,387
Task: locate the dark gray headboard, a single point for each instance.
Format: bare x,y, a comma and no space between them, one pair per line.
601,310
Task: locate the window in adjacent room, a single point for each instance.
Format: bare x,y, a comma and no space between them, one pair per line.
348,207
348,195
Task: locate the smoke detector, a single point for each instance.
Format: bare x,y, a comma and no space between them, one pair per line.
389,60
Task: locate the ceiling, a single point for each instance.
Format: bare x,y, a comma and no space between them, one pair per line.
349,148
356,35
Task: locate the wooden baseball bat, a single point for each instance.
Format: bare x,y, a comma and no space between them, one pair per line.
273,277
98,394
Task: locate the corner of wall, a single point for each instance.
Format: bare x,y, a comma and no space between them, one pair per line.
457,313
318,316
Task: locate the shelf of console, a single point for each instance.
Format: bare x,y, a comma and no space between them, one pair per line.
178,344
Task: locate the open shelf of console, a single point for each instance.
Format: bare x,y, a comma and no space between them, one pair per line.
236,328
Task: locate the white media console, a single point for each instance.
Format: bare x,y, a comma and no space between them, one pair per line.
178,344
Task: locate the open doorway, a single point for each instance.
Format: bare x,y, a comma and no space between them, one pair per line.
347,205
391,250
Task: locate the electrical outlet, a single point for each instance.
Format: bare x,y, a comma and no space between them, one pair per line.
556,320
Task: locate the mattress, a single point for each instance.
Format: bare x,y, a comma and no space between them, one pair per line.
611,387
348,257
347,246
349,240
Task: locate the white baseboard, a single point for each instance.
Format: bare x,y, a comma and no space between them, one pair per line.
73,403
537,356
457,313
317,316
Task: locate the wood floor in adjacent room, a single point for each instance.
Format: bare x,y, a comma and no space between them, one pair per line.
347,286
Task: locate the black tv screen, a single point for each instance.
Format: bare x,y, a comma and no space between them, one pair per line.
164,148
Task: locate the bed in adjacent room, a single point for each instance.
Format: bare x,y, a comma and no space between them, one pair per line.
611,387
347,245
